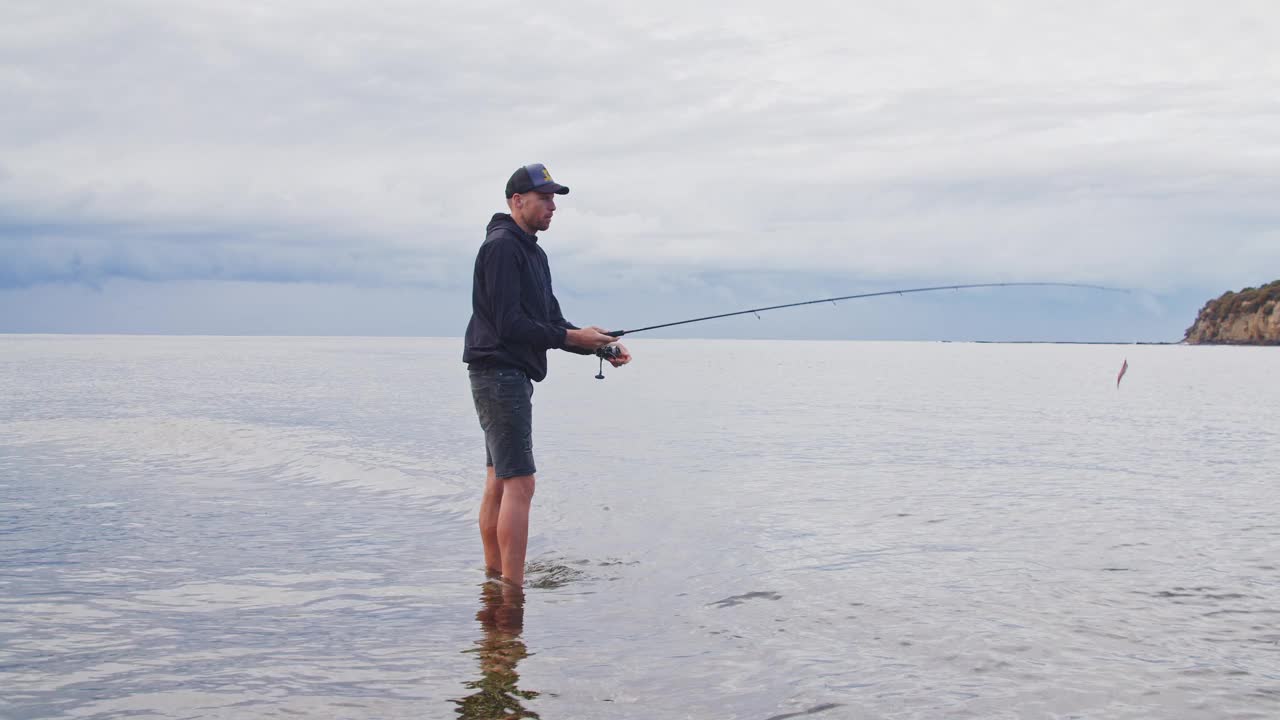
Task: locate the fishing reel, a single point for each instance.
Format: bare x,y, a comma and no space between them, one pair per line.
608,352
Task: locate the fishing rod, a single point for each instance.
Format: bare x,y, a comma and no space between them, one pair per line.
609,351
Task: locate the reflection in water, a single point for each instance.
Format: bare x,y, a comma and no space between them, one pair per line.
499,648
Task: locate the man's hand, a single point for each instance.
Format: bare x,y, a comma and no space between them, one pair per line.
588,338
623,358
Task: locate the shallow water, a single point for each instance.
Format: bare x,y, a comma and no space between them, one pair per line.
282,527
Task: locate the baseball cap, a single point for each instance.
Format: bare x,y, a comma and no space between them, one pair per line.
534,178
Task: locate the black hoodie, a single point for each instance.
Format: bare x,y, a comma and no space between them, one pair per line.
515,317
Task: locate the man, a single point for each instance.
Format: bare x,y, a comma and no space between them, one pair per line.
515,319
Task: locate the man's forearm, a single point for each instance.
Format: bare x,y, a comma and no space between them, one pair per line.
586,339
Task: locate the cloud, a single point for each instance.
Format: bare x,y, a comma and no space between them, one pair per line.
320,142
92,254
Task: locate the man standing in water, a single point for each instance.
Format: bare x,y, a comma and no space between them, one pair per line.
515,319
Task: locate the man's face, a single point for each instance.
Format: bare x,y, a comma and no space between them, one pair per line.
536,209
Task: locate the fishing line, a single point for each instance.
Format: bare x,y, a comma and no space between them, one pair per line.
609,352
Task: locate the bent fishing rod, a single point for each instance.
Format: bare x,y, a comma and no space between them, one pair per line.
609,351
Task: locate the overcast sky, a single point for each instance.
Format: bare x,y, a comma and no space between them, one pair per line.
328,167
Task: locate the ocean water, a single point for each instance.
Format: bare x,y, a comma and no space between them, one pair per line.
200,527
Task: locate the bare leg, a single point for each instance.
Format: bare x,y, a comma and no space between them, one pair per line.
513,525
489,523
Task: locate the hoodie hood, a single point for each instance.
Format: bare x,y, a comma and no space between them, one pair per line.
504,221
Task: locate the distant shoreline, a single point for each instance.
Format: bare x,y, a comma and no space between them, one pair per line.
1067,342
664,339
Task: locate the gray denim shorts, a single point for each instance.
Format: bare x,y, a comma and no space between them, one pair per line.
504,404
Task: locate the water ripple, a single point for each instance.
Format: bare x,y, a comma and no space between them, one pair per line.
272,527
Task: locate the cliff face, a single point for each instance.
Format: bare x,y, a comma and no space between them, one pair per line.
1249,317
